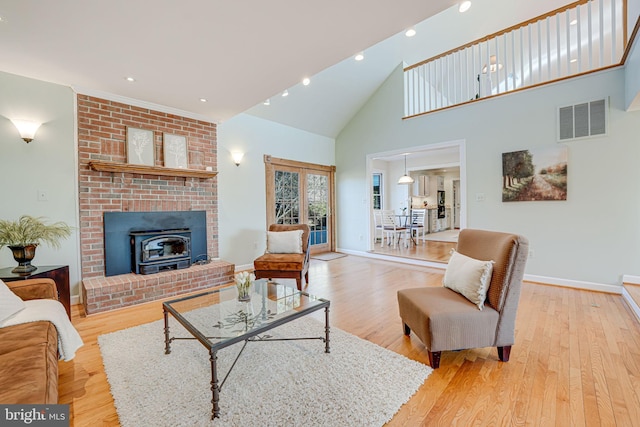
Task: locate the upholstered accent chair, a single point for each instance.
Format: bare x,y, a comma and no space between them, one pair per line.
445,320
281,260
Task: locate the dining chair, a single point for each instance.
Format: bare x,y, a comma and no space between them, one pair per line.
393,231
384,213
418,226
378,230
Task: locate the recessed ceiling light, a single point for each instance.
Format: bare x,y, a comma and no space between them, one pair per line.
574,22
203,99
464,6
410,32
285,93
306,81
267,102
130,79
359,56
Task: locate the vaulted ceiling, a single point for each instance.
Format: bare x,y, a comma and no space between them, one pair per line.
237,54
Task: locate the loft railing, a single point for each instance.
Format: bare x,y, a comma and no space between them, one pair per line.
581,37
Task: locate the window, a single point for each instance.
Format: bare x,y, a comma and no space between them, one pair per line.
377,191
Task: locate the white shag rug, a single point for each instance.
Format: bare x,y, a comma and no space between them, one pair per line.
280,383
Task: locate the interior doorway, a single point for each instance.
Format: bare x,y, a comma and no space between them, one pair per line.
441,166
302,193
456,204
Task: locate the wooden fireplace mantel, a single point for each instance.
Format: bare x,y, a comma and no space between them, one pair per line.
103,166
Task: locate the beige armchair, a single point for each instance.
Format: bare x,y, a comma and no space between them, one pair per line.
278,264
445,320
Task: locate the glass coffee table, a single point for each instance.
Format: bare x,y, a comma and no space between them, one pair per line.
218,319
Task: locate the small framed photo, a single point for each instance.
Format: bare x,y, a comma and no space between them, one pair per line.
175,151
140,150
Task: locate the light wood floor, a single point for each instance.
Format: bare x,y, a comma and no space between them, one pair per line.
424,250
576,360
634,291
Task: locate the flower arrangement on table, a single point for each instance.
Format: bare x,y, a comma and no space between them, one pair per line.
243,283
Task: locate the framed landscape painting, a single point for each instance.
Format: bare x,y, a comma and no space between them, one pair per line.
175,151
537,174
140,150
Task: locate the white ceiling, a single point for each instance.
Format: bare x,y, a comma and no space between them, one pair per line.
338,92
233,53
236,54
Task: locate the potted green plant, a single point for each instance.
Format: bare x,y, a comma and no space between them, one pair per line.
25,234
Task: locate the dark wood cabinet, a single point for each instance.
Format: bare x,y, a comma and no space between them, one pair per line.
59,274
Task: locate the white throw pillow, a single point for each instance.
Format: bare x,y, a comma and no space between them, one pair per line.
469,277
10,303
284,242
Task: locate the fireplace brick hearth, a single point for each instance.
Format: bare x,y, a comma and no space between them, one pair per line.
102,127
108,293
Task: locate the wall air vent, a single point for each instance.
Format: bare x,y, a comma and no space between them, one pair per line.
583,120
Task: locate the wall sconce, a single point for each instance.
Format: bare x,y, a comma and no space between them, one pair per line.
26,128
237,157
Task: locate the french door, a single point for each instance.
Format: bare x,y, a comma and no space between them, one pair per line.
302,193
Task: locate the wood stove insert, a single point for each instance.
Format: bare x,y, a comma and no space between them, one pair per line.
153,251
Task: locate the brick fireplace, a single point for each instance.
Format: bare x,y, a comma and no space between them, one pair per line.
102,126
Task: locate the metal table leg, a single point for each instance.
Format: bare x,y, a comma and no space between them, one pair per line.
215,389
167,341
326,330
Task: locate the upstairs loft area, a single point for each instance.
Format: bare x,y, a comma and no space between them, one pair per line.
579,38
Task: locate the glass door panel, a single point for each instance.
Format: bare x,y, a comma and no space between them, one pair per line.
317,197
287,197
302,193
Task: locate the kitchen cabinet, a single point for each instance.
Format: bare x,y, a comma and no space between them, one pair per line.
440,182
435,223
439,224
421,186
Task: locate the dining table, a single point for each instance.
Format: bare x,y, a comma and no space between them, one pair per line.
404,220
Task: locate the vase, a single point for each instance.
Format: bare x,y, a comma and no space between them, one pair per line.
23,256
244,291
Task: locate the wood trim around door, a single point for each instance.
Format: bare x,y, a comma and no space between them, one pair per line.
271,162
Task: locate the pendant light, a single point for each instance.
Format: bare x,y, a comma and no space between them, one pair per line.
405,179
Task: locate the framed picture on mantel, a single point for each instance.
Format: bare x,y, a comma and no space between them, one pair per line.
140,150
175,151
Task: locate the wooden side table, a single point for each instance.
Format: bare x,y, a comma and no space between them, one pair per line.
59,274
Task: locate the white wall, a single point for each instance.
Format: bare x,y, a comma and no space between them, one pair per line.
632,78
47,163
594,236
242,207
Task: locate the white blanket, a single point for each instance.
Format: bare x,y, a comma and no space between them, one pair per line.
47,309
